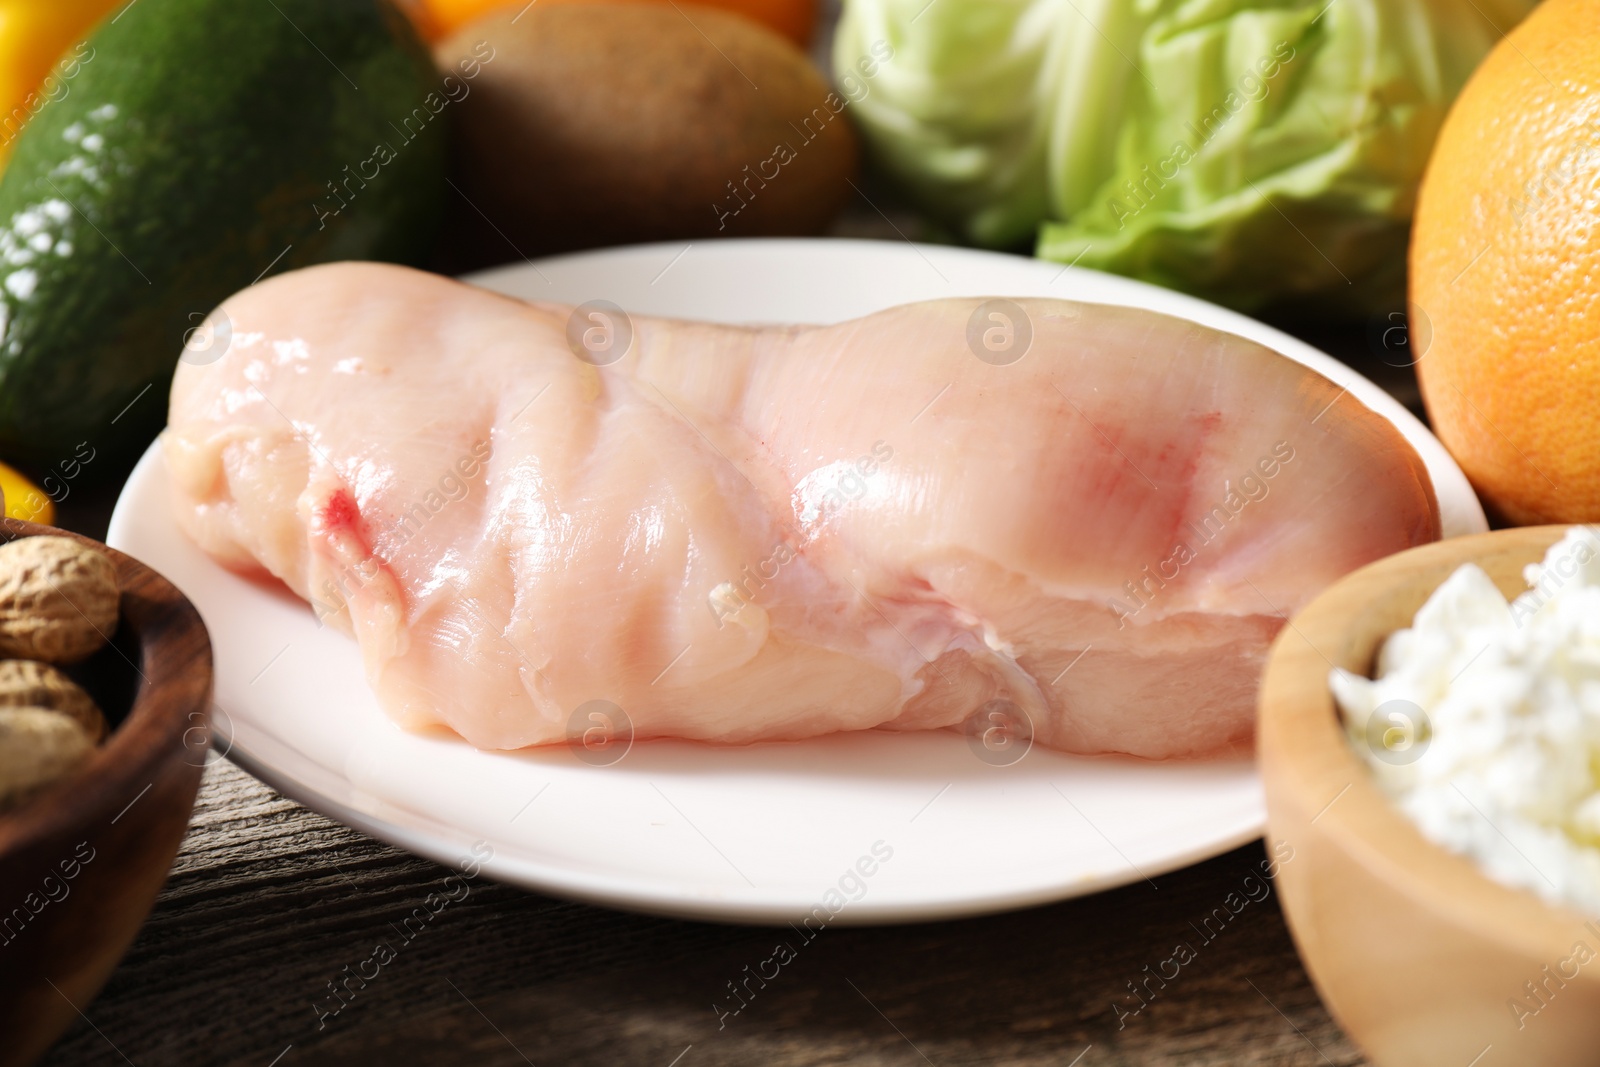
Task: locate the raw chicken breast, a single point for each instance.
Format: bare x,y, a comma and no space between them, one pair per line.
742,534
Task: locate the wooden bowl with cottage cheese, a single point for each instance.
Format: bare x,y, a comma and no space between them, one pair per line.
1422,956
81,860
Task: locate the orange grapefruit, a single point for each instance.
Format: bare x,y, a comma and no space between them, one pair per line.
1505,270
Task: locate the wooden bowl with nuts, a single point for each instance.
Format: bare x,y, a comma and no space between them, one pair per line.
105,695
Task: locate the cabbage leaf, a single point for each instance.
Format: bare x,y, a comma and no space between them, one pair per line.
1249,151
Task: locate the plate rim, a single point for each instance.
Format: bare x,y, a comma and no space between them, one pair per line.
654,899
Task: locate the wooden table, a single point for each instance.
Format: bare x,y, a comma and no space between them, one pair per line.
269,903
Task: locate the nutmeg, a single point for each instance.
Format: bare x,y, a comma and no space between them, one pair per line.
27,684
58,599
37,747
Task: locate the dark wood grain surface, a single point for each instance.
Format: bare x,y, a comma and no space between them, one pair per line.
268,903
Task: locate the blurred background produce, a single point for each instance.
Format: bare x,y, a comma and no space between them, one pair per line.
204,144
794,19
616,123
1253,153
24,500
35,38
1506,269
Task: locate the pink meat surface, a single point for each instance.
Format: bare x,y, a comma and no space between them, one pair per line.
764,533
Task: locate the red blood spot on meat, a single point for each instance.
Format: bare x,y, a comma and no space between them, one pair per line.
339,513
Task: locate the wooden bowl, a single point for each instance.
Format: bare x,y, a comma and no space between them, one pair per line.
1420,957
81,863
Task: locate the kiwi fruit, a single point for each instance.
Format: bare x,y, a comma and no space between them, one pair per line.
593,124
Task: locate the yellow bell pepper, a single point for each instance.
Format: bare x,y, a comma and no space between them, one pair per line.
24,500
37,61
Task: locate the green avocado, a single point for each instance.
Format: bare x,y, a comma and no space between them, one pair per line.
193,147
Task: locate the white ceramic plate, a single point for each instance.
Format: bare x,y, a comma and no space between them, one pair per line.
764,833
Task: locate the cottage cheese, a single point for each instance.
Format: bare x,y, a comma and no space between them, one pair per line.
1484,722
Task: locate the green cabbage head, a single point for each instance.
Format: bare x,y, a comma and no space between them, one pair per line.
1249,151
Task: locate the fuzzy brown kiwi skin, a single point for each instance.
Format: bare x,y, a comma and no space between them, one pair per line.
615,123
